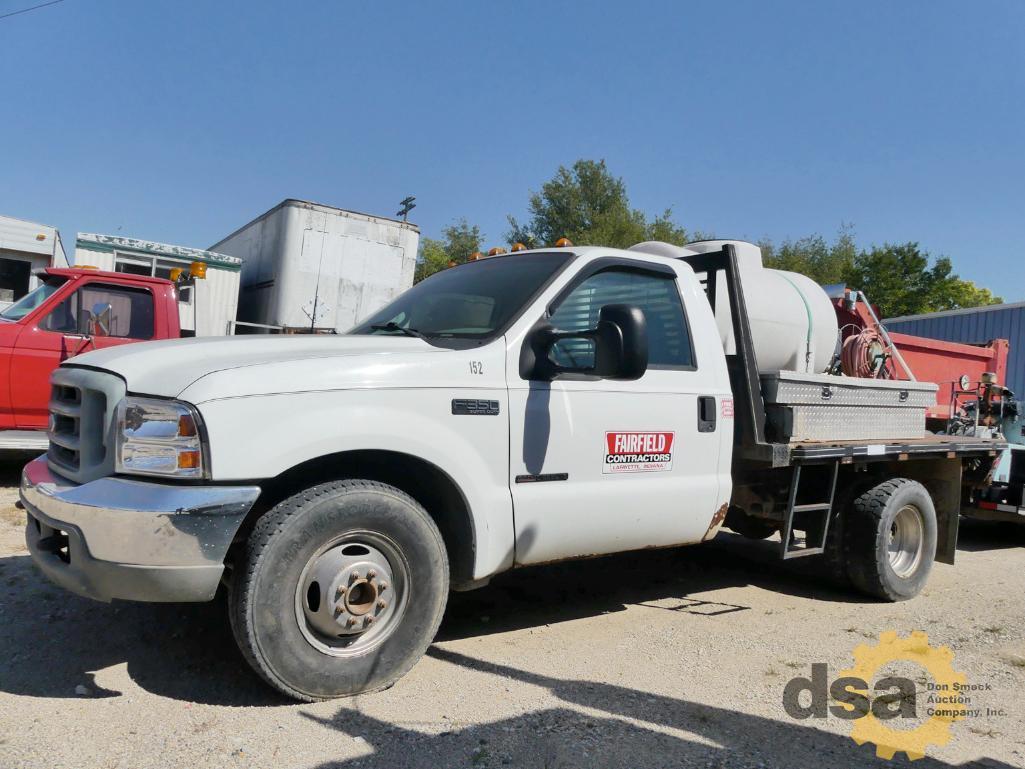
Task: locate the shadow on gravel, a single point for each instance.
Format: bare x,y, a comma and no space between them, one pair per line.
11,463
52,641
558,592
974,536
560,737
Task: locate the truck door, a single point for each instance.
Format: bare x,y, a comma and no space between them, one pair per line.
62,332
601,466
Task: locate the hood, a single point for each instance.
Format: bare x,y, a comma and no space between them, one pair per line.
251,364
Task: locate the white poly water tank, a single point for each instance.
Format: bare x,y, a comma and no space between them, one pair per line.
793,323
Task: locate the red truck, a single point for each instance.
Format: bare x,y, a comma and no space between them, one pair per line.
73,311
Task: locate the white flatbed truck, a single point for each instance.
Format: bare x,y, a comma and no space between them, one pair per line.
519,409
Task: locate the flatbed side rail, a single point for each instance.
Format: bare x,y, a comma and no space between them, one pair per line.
869,451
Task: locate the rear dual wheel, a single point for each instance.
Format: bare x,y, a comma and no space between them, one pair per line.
339,590
890,539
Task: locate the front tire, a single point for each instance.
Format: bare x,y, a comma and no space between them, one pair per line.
339,590
891,539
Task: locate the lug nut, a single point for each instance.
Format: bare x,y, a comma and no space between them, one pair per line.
368,621
353,576
350,622
371,574
382,586
382,605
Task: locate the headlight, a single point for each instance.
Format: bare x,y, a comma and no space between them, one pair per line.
158,437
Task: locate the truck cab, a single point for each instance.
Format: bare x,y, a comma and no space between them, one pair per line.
72,311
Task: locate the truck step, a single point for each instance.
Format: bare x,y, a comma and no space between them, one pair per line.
23,440
815,527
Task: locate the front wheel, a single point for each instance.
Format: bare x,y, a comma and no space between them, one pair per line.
339,590
891,539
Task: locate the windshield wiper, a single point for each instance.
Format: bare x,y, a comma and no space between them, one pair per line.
393,326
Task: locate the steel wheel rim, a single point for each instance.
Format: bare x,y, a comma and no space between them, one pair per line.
348,579
906,541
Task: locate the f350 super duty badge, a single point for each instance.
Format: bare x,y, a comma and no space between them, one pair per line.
638,452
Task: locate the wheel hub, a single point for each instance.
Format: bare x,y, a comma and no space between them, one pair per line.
348,590
906,541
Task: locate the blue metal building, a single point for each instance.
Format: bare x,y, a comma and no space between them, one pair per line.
973,326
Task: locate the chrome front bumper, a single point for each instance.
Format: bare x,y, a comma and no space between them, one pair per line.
131,539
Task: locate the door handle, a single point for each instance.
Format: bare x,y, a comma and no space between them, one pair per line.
707,413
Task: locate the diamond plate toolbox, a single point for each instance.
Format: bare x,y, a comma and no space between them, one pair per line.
822,407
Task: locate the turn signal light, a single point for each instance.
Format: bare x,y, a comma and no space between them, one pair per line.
189,459
563,243
198,270
518,247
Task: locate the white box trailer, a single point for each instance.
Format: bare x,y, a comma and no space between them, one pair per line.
24,248
206,308
311,267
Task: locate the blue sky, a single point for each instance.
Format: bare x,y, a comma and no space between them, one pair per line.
180,121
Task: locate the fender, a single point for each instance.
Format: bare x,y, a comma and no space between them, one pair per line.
284,430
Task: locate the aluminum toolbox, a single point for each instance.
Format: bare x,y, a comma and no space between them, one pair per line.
822,407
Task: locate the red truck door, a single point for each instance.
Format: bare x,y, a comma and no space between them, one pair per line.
63,332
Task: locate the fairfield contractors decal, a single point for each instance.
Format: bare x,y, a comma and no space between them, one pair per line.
638,452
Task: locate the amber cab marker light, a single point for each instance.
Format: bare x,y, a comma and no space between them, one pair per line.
563,243
198,270
518,247
186,426
496,251
474,256
176,274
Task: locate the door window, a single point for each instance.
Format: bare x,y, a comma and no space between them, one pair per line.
131,312
669,344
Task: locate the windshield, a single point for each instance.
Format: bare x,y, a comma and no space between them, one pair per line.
32,299
475,301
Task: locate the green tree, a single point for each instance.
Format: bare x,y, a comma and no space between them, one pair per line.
900,280
823,262
459,240
588,205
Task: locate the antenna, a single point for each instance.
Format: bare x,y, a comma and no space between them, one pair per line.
407,205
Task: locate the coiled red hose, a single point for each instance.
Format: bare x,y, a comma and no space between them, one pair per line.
859,355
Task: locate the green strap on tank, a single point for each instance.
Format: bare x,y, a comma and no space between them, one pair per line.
807,312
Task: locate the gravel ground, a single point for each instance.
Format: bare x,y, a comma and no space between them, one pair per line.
657,659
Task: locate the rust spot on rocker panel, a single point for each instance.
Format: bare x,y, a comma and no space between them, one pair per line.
717,519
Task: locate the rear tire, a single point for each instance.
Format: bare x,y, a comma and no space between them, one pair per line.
890,539
339,590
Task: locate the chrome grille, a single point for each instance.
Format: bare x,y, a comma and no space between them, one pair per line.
82,407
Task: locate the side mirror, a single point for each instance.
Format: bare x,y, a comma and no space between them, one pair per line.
617,347
98,323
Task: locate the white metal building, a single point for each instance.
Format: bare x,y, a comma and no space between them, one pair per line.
24,247
205,308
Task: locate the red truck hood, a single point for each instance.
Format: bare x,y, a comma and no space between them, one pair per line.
168,368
